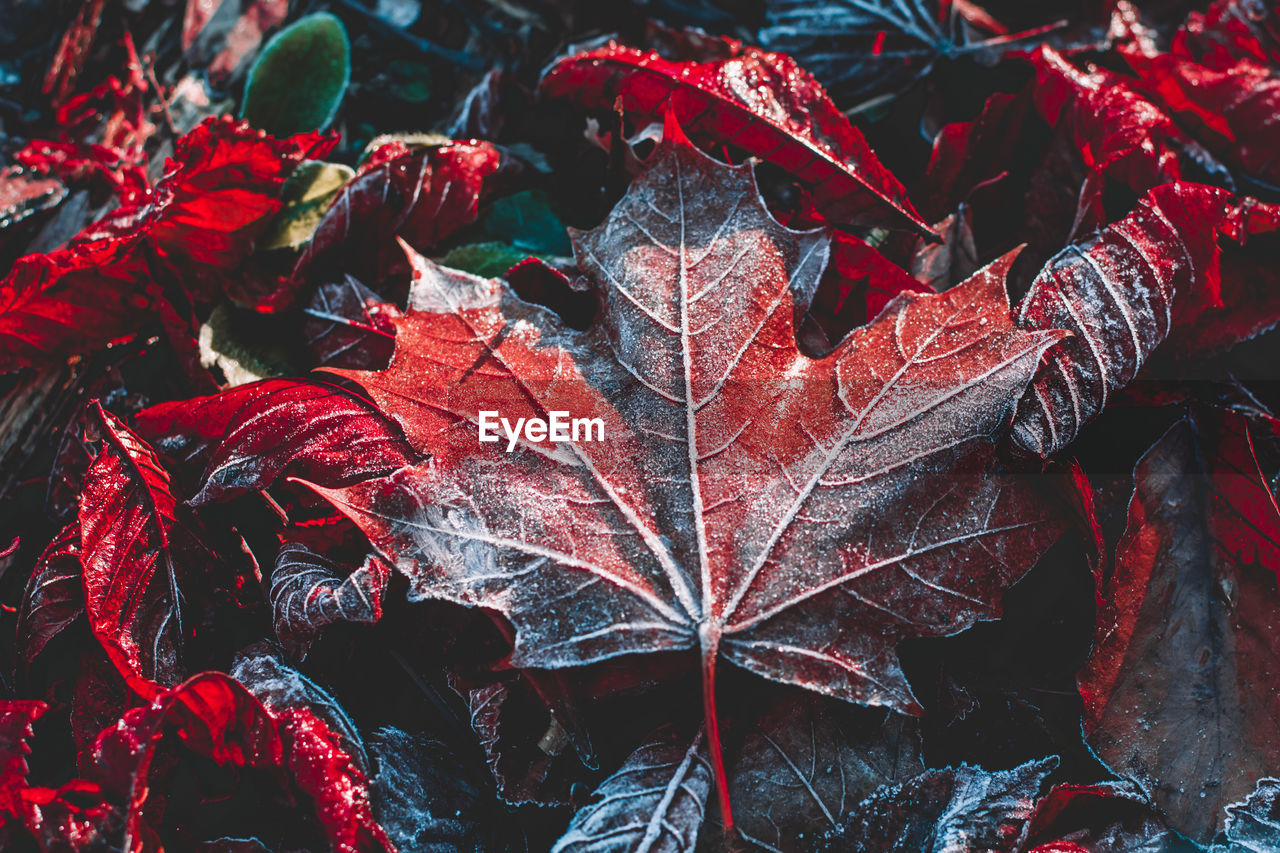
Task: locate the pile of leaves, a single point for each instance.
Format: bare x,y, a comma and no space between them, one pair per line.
933,503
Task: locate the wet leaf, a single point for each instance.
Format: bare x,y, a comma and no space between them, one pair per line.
764,104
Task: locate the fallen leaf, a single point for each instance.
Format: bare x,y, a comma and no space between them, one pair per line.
142,557
54,597
808,762
1194,571
656,801
253,435
760,102
957,808
703,520
1116,293
1253,825
310,591
348,325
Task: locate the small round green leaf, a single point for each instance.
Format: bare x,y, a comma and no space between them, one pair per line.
297,82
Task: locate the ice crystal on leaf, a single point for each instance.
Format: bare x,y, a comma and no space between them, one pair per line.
796,516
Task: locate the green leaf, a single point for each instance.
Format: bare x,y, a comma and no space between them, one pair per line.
298,80
306,196
525,220
487,260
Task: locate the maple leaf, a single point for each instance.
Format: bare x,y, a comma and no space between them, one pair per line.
1195,569
761,102
798,516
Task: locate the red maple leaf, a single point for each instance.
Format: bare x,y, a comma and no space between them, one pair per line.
795,516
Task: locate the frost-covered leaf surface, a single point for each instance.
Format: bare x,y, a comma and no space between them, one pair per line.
744,528
940,811
807,764
1195,571
310,591
1115,293
1252,825
656,801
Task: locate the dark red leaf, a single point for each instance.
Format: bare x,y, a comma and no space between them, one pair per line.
1118,133
140,556
760,102
83,162
348,325
1247,302
1118,293
810,497
323,750
855,287
54,597
1231,111
1230,30
252,435
968,155
217,194
16,717
1180,689
69,301
212,715
77,817
1109,817
339,788
422,196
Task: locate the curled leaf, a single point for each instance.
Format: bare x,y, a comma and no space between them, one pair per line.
761,102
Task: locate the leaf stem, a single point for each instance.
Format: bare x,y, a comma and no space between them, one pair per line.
710,652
